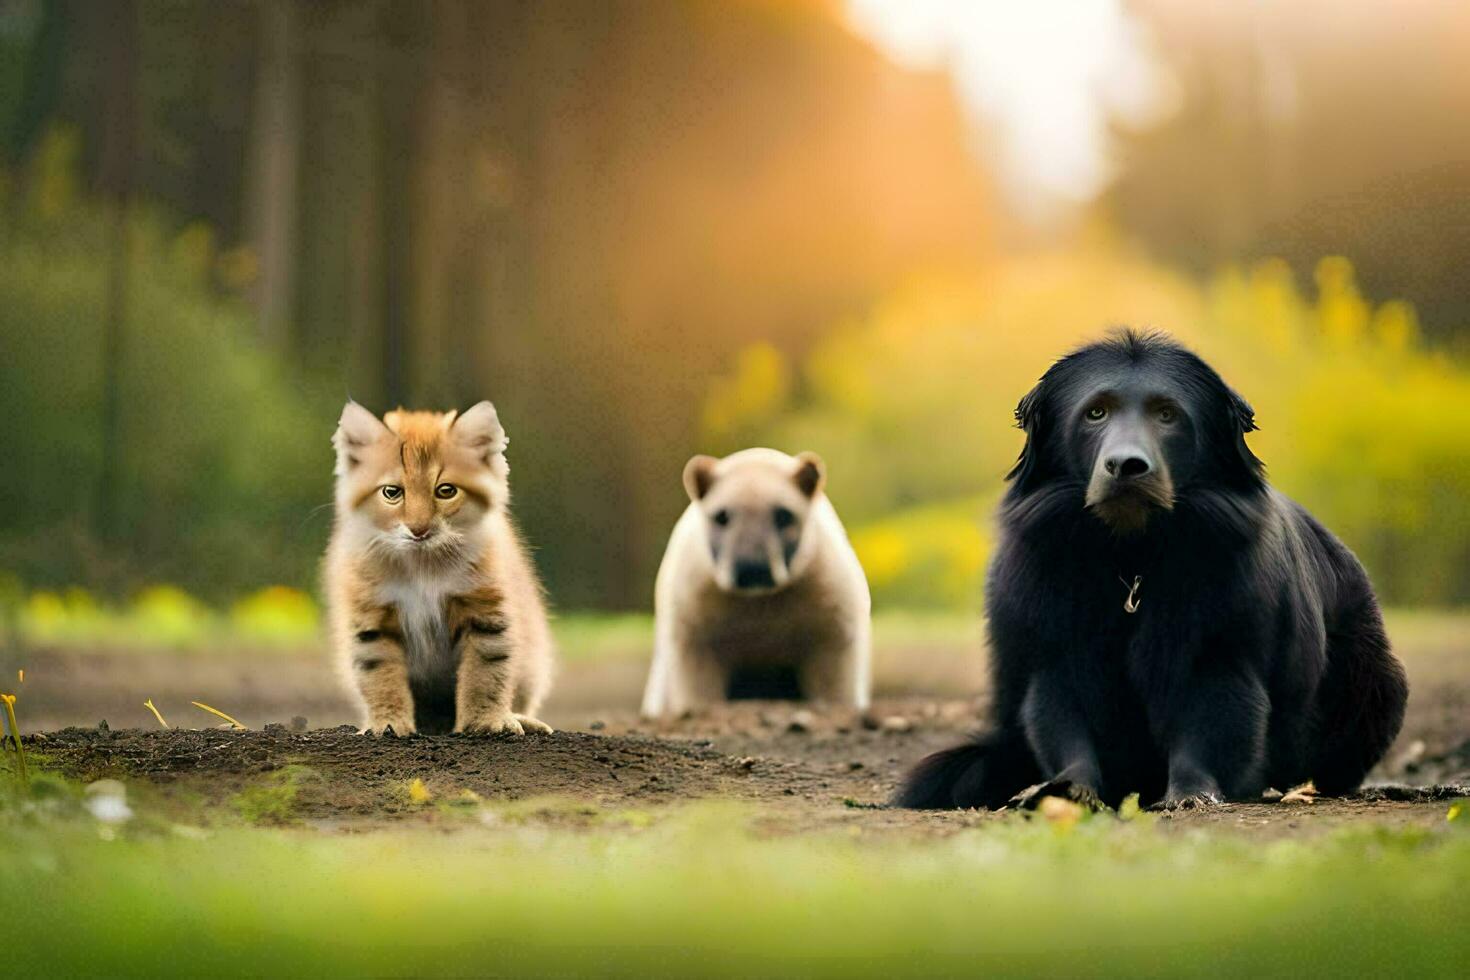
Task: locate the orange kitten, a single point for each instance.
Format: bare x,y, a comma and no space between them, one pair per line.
435,609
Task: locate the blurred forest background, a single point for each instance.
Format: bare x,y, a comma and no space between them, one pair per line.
648,228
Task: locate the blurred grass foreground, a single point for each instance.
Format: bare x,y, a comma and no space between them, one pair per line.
693,891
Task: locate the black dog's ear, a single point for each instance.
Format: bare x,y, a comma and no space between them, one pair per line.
1029,418
1242,420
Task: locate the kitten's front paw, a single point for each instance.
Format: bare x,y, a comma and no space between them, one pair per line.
493,725
534,724
401,727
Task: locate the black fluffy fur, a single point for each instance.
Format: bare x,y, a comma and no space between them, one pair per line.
1257,656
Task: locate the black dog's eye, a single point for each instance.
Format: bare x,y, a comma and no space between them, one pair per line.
1096,413
783,518
1167,414
446,491
392,494
721,517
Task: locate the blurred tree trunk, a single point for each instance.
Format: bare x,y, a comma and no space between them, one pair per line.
271,198
340,262
399,92
119,75
220,126
40,82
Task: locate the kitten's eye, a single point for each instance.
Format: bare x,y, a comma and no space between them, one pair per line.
783,518
446,491
1096,413
392,494
1167,414
721,517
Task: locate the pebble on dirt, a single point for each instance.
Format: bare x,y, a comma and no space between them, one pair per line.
801,722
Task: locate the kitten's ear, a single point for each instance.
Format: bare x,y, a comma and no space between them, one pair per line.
811,473
699,476
356,429
479,429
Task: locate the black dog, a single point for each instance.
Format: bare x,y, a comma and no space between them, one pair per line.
1161,620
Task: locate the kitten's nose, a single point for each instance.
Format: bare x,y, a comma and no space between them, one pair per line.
420,533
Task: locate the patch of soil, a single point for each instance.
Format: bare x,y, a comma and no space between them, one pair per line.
807,769
835,778
360,776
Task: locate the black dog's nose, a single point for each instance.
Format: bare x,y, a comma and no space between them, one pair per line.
753,575
1127,466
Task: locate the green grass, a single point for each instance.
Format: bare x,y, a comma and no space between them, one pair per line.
163,619
694,892
272,800
591,636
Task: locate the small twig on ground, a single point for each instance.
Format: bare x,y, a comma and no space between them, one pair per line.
149,705
219,713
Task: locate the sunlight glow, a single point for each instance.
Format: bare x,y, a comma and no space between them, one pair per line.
1046,76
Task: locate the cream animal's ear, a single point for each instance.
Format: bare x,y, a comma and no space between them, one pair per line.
811,473
699,476
478,428
356,429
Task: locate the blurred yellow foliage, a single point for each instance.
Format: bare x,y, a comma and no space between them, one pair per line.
166,616
169,615
758,388
278,615
912,407
925,556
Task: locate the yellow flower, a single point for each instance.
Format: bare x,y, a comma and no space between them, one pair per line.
1060,813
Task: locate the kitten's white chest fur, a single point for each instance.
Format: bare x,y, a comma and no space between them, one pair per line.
421,601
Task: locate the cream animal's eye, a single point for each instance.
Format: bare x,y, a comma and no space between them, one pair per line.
1167,414
721,517
392,494
1096,413
783,518
446,491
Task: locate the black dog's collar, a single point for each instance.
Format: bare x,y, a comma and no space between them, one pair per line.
1132,602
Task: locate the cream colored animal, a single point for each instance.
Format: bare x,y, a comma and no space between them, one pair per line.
758,576
435,609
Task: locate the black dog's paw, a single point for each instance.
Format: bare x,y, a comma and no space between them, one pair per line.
1030,797
1187,801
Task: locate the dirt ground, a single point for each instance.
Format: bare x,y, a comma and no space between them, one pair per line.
808,770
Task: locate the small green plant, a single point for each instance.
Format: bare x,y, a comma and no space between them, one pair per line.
20,752
273,799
